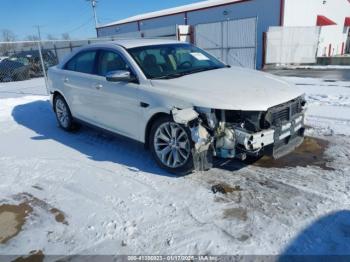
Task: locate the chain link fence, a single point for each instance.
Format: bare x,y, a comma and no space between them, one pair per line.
25,60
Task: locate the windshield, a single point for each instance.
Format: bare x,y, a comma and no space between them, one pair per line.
173,60
22,60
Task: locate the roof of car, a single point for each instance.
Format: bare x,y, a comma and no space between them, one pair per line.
138,42
31,52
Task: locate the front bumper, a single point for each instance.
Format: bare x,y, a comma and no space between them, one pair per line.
277,141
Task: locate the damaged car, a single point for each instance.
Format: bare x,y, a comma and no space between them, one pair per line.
185,105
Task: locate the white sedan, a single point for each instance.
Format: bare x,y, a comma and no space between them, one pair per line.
181,102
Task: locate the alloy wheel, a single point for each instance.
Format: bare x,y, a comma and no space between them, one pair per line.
172,145
62,113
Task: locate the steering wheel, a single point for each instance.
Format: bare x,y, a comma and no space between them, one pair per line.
182,65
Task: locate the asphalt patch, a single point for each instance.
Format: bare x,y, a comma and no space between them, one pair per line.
34,256
36,202
12,219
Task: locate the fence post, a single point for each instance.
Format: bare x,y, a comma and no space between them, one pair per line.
43,66
55,48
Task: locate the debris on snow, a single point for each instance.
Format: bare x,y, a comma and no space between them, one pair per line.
224,188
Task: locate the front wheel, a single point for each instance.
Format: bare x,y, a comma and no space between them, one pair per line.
171,146
63,114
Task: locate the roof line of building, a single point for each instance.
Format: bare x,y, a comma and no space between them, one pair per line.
174,11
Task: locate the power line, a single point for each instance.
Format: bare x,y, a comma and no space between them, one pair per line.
80,26
86,23
93,4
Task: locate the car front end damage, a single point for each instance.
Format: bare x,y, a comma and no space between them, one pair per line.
238,134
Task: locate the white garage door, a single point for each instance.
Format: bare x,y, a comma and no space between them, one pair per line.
233,41
292,45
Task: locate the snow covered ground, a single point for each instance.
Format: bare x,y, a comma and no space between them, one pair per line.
328,104
95,194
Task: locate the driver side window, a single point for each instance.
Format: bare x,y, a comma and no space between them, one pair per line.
110,61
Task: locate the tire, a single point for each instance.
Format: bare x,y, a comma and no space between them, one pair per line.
63,114
252,159
171,146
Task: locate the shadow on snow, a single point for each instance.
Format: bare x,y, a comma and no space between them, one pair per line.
96,145
328,236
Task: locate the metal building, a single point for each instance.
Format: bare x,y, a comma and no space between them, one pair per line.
249,33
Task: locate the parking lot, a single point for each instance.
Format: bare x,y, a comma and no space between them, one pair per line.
91,193
334,74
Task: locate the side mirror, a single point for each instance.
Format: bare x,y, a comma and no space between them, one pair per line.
120,76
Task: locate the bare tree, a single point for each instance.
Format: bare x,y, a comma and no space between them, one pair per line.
6,36
51,37
32,38
65,36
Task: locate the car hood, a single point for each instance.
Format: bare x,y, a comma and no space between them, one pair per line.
230,89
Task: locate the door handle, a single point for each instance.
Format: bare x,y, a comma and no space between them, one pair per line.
66,80
144,105
98,87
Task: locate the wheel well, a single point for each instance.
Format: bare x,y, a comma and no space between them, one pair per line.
55,94
150,124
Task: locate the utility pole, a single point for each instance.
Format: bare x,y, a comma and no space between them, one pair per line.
94,4
41,58
39,33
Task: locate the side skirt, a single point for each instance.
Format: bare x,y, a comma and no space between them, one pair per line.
108,132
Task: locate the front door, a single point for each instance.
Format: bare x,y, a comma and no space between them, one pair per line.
117,103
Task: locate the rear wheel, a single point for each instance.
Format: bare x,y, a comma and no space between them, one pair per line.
63,114
171,146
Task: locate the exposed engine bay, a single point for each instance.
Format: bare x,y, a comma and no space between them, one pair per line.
239,134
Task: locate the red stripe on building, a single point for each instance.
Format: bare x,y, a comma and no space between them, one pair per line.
282,12
347,21
324,21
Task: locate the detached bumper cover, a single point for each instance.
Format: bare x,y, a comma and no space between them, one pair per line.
288,137
282,150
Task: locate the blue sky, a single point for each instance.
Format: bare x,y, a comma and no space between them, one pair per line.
72,16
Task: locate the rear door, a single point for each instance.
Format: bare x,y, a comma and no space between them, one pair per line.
78,79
